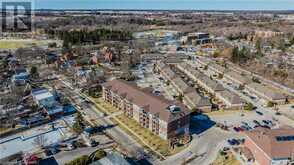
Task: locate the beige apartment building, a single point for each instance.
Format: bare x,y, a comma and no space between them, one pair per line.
167,119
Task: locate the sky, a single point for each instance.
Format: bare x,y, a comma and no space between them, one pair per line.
166,4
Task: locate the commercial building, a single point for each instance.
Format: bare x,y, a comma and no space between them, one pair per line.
271,147
46,100
167,119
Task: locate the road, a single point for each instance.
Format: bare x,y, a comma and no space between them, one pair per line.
206,145
124,140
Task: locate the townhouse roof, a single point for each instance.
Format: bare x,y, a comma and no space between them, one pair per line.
266,91
204,61
217,67
231,97
161,65
198,100
168,72
214,85
275,143
150,102
238,77
184,87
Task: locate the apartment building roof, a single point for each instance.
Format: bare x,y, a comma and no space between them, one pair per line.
231,97
146,100
266,91
275,143
238,77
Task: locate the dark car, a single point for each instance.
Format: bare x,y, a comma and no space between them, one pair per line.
256,122
259,113
265,122
236,129
93,143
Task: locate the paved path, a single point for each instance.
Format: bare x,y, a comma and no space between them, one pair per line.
206,144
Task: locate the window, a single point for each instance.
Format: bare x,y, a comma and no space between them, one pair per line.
285,138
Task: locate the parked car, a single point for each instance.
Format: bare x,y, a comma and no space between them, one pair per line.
236,129
93,143
256,122
265,121
259,113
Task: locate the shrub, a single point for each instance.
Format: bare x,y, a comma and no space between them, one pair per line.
100,154
82,160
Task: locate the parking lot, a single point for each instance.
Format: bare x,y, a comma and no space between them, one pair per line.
240,121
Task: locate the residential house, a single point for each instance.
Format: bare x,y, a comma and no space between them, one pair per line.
167,119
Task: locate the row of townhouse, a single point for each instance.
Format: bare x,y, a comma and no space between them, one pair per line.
266,93
230,99
190,97
245,81
167,119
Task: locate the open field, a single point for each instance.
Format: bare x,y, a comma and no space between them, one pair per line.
14,44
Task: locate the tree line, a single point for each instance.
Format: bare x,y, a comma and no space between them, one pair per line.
77,37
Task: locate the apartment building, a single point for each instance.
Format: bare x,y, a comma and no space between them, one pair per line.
266,93
167,119
271,146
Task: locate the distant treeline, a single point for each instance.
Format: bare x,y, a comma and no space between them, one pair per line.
76,37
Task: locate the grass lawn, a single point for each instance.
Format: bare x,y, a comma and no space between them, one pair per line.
3,130
228,159
14,44
156,142
110,109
